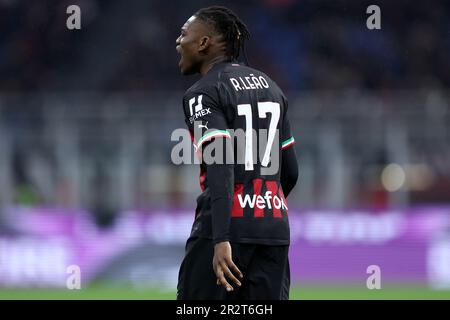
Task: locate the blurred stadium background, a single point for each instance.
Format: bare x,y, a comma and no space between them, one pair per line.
86,117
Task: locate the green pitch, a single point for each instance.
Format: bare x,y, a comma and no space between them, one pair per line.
297,293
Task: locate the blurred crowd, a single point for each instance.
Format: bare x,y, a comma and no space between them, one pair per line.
356,96
302,44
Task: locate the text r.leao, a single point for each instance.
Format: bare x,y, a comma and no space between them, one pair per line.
249,83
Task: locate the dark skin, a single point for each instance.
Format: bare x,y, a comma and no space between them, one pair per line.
200,48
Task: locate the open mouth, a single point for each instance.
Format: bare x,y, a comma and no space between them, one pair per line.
181,55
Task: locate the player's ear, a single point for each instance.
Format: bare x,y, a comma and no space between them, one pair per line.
204,43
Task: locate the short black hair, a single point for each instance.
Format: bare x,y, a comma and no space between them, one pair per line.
226,23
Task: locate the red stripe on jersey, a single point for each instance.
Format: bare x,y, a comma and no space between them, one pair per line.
202,178
284,199
237,210
257,186
273,187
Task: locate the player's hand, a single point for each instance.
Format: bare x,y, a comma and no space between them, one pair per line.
223,265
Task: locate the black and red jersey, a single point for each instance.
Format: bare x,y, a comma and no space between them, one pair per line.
242,200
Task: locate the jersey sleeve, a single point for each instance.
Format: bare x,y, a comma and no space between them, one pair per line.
204,116
287,138
289,164
206,121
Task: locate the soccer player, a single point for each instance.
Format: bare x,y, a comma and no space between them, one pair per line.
238,247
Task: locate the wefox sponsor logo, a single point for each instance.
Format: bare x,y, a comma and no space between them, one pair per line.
272,198
261,202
